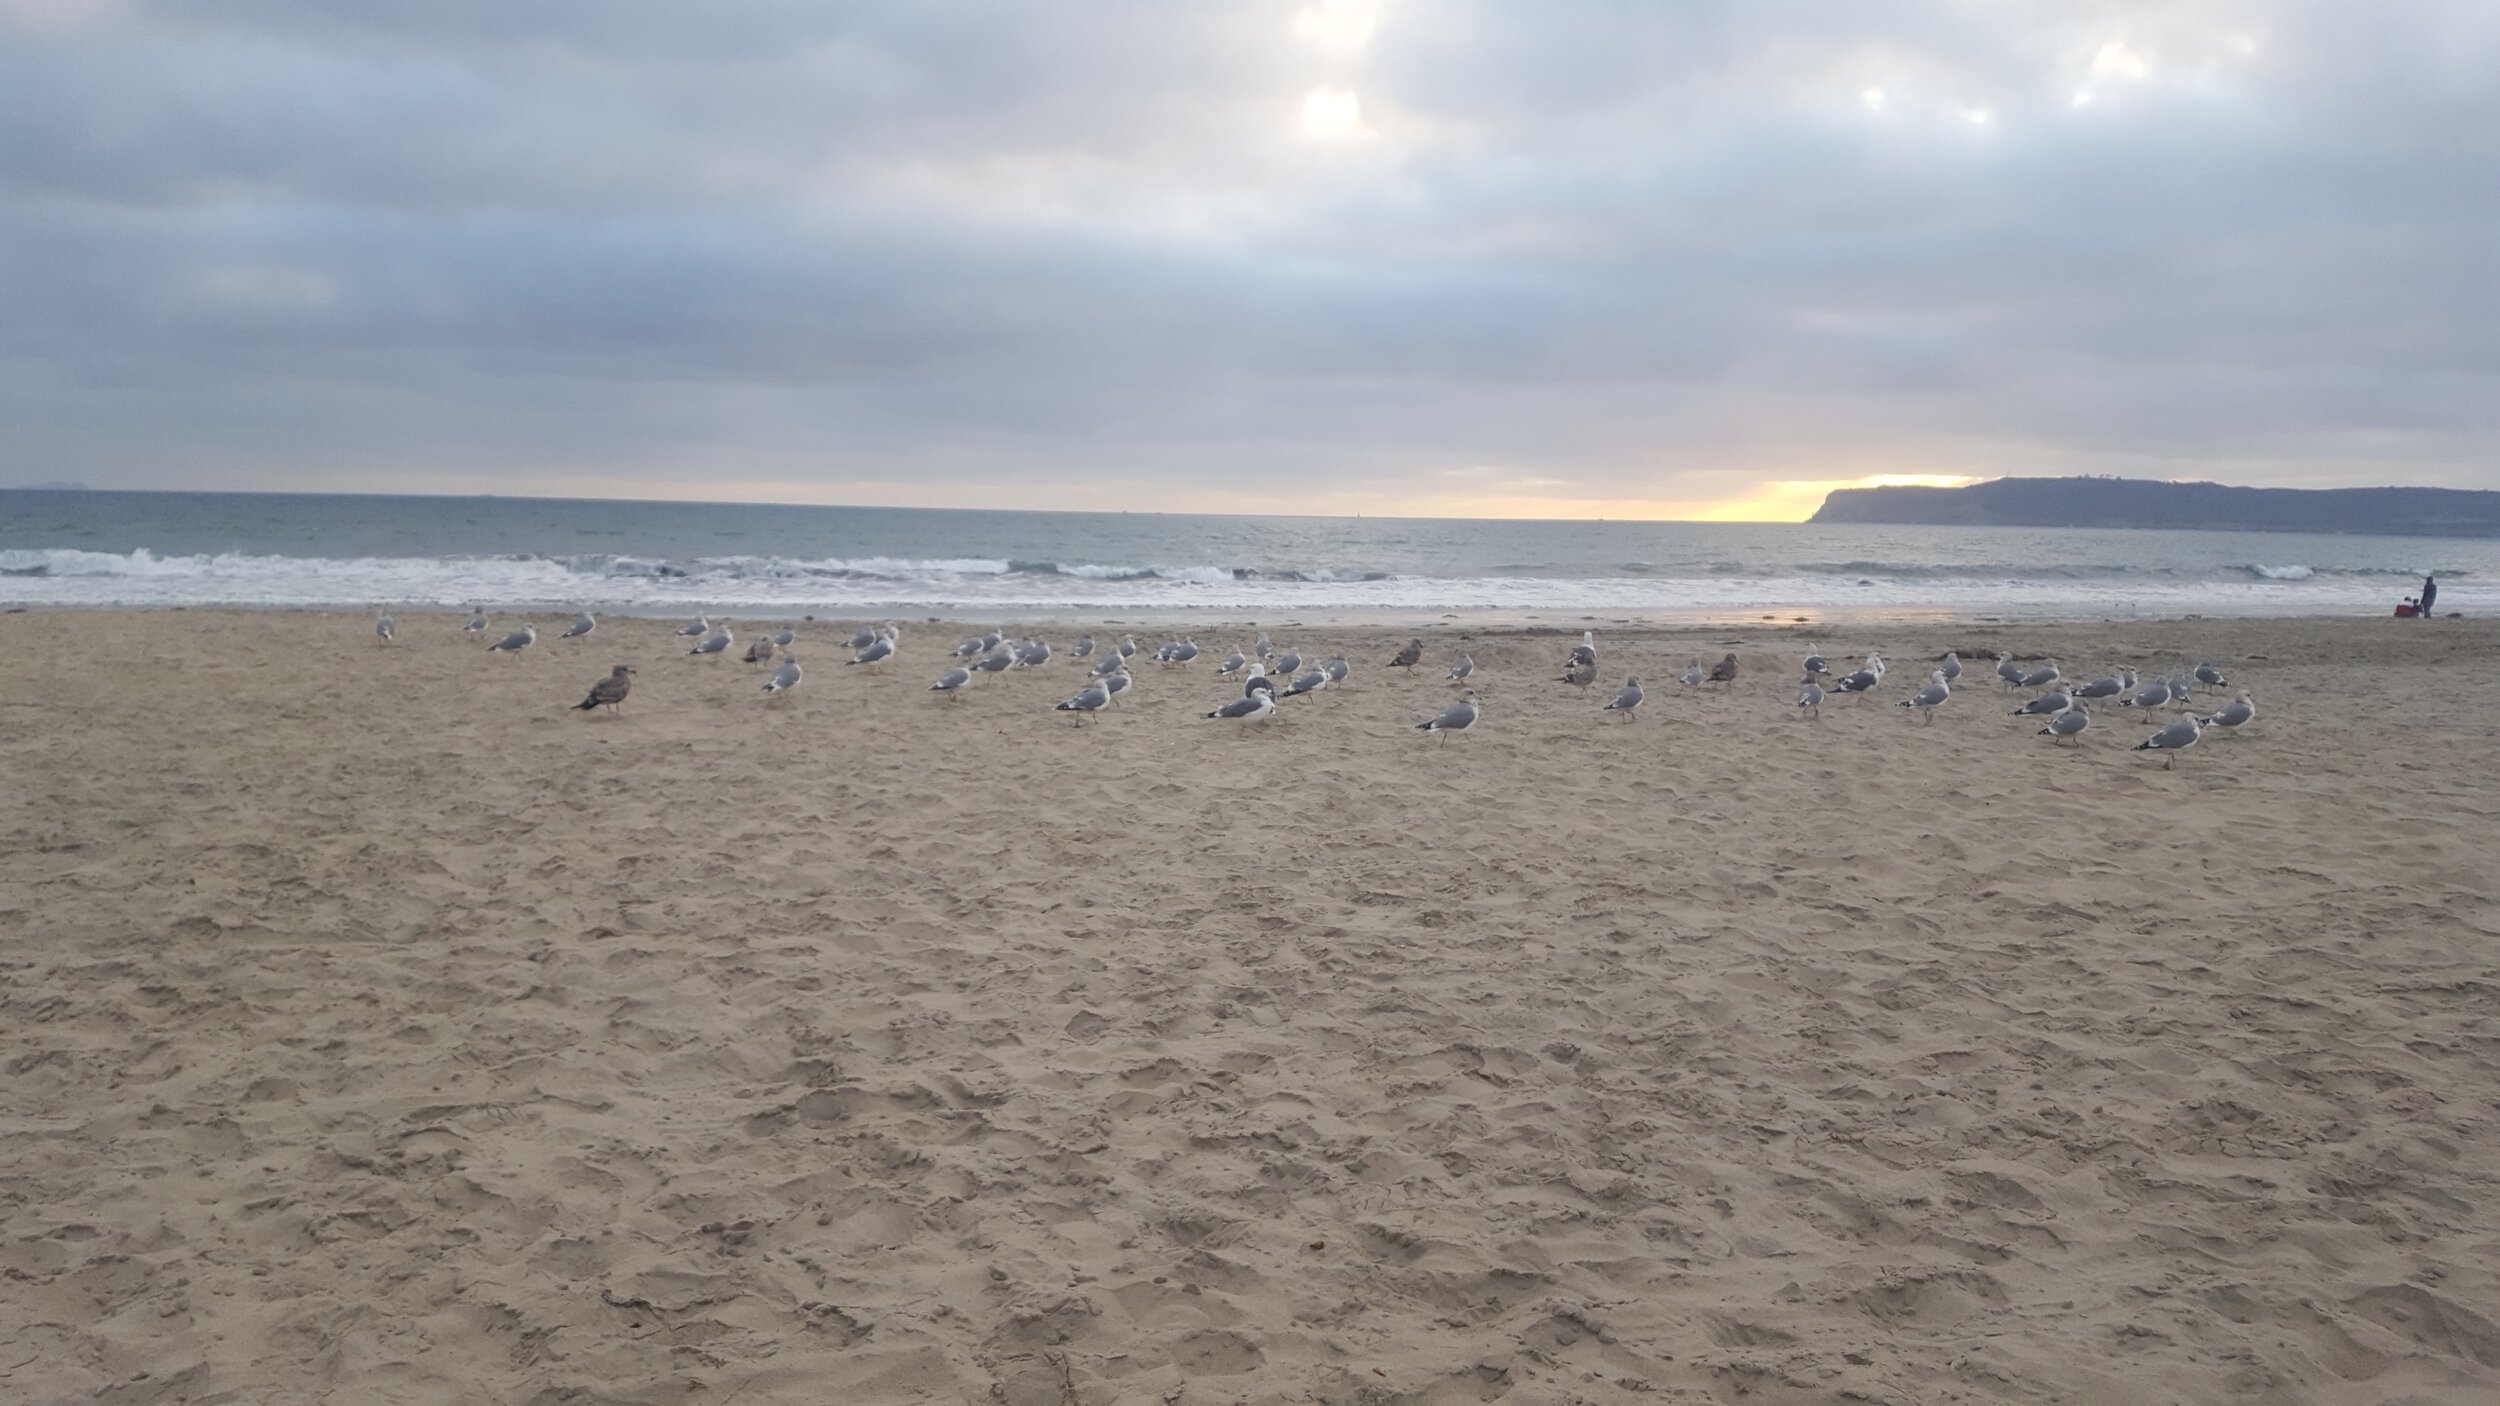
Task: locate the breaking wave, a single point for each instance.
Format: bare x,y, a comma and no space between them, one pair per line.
794,585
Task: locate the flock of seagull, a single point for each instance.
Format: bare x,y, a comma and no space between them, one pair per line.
2065,703
1269,674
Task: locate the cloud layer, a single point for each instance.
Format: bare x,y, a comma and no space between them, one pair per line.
1446,255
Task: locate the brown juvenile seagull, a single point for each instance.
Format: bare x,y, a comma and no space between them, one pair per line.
1409,656
610,691
1724,671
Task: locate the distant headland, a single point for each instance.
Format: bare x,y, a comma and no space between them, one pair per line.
2128,502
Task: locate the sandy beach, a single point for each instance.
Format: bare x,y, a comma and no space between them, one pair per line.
379,1030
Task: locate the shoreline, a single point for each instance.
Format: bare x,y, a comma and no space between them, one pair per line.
1227,618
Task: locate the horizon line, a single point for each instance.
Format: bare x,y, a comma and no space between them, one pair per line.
871,507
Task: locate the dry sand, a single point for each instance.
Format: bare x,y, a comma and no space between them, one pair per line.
377,1030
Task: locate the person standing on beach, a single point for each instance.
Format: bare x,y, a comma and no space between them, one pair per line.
2430,592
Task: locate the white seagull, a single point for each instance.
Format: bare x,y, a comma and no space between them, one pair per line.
2174,738
1458,717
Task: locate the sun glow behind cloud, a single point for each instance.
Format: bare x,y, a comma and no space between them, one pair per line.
1332,115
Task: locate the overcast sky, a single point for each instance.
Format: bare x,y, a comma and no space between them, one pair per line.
1431,256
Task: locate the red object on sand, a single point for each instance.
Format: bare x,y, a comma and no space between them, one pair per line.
2404,610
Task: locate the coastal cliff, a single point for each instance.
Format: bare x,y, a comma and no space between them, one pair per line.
2122,502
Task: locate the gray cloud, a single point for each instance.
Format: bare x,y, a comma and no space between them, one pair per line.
1640,253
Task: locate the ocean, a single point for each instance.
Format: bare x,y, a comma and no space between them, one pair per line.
80,548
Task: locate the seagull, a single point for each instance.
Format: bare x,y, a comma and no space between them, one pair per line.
1128,646
1034,655
1310,682
1232,663
863,637
2069,723
1288,663
2149,697
997,661
579,627
1626,699
1858,681
1816,666
515,642
1266,648
384,628
1337,668
876,651
2041,677
970,647
1084,648
1185,651
477,621
1458,717
2209,673
2236,714
1092,698
716,642
1951,668
1461,667
952,683
1117,684
1724,671
759,649
1927,700
2174,738
701,625
1580,673
1810,698
608,692
2008,670
2047,704
1585,652
1693,675
1110,663
785,638
1250,709
784,678
992,640
1410,656
1258,682
2106,686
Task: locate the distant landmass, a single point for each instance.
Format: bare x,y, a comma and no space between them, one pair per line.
2130,502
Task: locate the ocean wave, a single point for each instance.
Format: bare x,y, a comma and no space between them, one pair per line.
70,561
984,585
